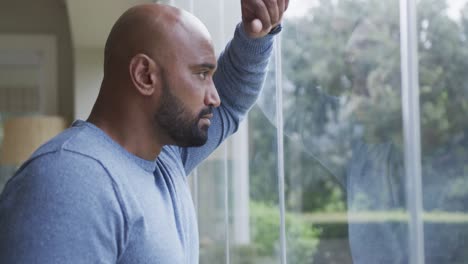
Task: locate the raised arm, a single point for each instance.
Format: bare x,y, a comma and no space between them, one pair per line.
241,71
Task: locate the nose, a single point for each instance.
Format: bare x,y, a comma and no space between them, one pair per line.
212,96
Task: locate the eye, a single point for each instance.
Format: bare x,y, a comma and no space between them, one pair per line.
203,75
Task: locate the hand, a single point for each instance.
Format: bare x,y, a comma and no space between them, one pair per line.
260,16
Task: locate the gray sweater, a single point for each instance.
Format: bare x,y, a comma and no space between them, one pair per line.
82,198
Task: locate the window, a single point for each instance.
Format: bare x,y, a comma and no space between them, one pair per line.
354,148
28,82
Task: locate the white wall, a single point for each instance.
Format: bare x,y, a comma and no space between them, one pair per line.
91,22
88,77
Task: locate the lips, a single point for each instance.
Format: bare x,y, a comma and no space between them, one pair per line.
206,113
206,119
207,116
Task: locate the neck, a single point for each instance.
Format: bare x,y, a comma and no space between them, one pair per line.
128,127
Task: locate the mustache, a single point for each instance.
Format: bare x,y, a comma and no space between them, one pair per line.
206,111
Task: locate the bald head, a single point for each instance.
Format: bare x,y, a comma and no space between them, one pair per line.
155,30
158,86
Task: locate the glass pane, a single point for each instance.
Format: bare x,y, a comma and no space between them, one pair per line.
211,223
255,231
345,183
443,66
239,198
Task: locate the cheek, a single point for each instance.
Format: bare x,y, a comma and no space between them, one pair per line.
192,90
189,88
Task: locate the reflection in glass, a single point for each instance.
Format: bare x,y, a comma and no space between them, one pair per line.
343,153
264,215
343,129
444,126
343,145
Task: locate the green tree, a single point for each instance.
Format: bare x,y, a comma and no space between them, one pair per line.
341,66
342,93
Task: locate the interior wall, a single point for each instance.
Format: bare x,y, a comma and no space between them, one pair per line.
91,22
45,17
88,78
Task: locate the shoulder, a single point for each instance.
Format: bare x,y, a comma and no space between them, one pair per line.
63,187
61,205
68,155
60,173
65,165
79,150
81,138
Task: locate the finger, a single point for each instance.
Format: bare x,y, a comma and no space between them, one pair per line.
281,9
251,23
256,26
261,13
273,10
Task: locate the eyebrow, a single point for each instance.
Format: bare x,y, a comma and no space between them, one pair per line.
204,65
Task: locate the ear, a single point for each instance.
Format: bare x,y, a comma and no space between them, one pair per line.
143,72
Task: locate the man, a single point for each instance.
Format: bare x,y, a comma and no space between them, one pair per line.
114,189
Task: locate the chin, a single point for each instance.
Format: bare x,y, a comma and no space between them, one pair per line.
197,137
192,142
200,141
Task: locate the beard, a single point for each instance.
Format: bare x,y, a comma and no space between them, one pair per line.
181,126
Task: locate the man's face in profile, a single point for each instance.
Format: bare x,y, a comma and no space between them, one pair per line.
188,94
184,127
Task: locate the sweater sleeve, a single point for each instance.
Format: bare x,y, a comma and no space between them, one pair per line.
65,212
239,78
